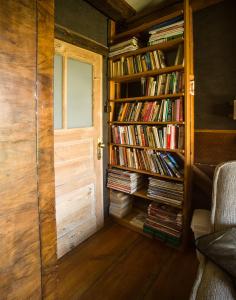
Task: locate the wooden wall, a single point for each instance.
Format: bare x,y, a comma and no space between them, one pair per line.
27,235
19,220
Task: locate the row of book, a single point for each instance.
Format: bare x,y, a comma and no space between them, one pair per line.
164,222
123,47
169,137
163,84
148,160
168,30
166,110
149,61
166,191
124,181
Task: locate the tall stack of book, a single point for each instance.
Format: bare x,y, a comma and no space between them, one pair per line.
148,160
165,191
128,182
120,204
123,47
164,222
168,30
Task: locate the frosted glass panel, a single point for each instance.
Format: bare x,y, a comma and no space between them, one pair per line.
79,94
58,91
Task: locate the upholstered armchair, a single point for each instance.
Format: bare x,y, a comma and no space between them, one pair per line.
212,282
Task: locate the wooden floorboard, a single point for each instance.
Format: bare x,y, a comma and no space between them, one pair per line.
117,263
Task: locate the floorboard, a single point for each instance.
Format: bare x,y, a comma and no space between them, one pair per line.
118,264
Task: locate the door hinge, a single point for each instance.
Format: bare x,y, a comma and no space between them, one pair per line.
192,87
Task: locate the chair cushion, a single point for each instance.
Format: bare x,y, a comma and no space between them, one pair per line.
220,247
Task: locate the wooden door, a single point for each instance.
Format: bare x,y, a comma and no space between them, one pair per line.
78,118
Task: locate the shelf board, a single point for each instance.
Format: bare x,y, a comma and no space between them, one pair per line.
125,221
146,147
142,193
145,98
147,123
147,173
162,46
136,76
144,27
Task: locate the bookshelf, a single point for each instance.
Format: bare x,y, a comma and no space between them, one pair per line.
144,154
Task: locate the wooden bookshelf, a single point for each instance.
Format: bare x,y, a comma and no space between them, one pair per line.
136,76
117,97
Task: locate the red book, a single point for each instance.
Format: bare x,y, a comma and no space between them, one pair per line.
168,136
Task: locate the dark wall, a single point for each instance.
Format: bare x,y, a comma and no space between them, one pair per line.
215,65
79,16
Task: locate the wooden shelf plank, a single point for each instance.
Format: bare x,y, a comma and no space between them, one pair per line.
147,147
147,123
142,193
147,173
145,98
144,27
136,76
162,46
125,221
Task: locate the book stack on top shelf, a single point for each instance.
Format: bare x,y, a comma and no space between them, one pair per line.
149,126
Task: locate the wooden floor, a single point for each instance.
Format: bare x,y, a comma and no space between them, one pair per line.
117,263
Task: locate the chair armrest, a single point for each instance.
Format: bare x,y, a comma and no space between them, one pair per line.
201,222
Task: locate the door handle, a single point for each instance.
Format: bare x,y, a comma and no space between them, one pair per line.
100,146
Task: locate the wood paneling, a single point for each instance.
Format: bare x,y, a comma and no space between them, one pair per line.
19,220
215,146
45,146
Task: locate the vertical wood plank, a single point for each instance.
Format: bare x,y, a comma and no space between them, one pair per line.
19,220
45,146
188,128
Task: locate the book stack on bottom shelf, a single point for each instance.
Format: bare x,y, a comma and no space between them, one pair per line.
120,204
164,222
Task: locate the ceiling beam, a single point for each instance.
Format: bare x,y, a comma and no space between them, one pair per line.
116,10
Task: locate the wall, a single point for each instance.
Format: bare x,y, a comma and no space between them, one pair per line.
81,18
215,73
19,220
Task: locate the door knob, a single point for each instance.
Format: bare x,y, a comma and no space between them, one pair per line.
100,145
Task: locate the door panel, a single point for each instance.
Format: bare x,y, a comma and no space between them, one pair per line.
78,172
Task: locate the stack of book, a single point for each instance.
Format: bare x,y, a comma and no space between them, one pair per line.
166,191
147,160
162,85
169,137
124,181
164,222
123,47
166,110
120,204
166,31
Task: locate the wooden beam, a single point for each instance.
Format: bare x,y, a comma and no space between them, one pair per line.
72,37
116,10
